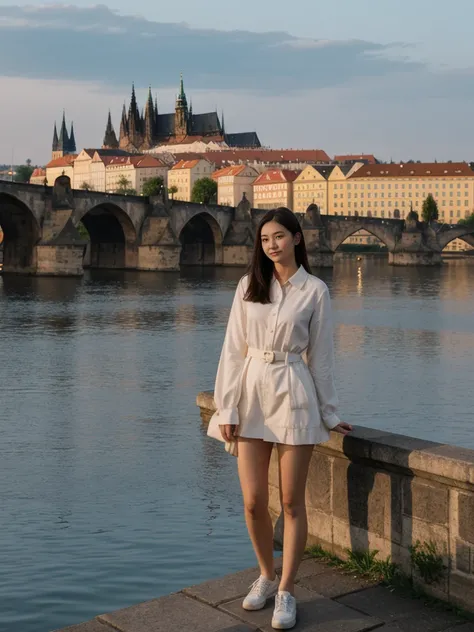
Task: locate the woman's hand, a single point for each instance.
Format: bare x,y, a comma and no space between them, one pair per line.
343,428
229,432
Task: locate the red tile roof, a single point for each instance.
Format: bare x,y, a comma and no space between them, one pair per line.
414,170
229,171
38,172
277,175
64,161
236,156
368,158
186,164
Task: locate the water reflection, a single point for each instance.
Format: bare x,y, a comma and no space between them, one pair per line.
107,478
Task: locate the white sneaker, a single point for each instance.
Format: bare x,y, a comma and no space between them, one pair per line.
260,591
284,615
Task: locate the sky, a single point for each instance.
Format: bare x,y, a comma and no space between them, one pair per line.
392,78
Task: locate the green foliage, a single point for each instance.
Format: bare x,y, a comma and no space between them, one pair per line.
83,232
153,186
427,561
86,186
468,221
23,173
172,191
429,212
125,186
412,216
204,191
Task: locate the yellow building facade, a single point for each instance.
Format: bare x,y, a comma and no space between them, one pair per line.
184,174
274,188
311,187
233,182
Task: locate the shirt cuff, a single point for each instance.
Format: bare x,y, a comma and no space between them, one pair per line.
331,421
228,416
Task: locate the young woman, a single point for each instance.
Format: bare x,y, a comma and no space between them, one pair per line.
268,393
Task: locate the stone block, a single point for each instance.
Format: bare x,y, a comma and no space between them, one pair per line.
174,613
228,588
393,449
315,614
415,529
426,501
319,485
461,590
332,583
89,626
361,495
445,462
466,517
463,557
356,445
319,527
466,627
412,615
274,502
310,568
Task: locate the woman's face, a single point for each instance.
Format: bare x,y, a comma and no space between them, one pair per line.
278,243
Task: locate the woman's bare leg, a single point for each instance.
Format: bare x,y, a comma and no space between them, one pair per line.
253,461
294,465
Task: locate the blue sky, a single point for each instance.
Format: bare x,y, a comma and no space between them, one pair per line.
394,78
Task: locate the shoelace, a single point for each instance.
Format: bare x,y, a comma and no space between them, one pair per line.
283,602
259,586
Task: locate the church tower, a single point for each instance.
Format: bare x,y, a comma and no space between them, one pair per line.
149,122
181,116
66,143
110,139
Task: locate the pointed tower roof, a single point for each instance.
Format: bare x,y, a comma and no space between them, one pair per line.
181,101
63,135
133,101
110,138
72,140
222,123
55,138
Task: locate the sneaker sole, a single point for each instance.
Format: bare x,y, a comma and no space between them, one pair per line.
283,626
254,608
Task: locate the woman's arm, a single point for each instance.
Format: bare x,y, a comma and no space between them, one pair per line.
321,359
228,380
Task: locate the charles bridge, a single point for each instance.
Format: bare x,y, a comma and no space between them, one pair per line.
41,232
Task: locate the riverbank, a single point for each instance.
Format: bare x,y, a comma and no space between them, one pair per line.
328,601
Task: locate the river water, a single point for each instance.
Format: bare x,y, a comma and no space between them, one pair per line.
110,492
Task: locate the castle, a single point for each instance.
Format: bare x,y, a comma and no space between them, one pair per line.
142,131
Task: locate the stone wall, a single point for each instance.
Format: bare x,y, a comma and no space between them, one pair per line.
383,491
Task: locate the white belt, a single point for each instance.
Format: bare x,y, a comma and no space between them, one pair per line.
274,356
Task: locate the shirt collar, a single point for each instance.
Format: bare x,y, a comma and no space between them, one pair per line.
298,279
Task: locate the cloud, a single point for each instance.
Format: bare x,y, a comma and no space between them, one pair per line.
98,44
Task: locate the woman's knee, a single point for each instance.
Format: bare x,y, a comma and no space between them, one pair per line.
256,507
293,508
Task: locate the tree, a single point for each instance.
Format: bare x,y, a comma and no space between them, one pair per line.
153,186
125,186
23,173
172,191
204,191
429,212
468,221
86,186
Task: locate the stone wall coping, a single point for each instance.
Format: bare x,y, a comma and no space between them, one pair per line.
427,459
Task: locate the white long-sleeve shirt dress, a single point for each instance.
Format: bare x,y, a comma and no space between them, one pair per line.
281,402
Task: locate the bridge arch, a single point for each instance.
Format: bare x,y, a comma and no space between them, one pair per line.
201,241
466,233
374,227
112,235
21,233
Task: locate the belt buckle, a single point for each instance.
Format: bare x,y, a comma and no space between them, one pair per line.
269,357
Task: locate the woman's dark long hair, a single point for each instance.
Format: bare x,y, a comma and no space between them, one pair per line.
261,267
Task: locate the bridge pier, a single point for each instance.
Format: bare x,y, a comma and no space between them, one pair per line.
59,260
164,258
423,258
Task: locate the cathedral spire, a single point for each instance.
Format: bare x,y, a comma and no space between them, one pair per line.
72,140
55,138
222,123
110,139
149,122
63,135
